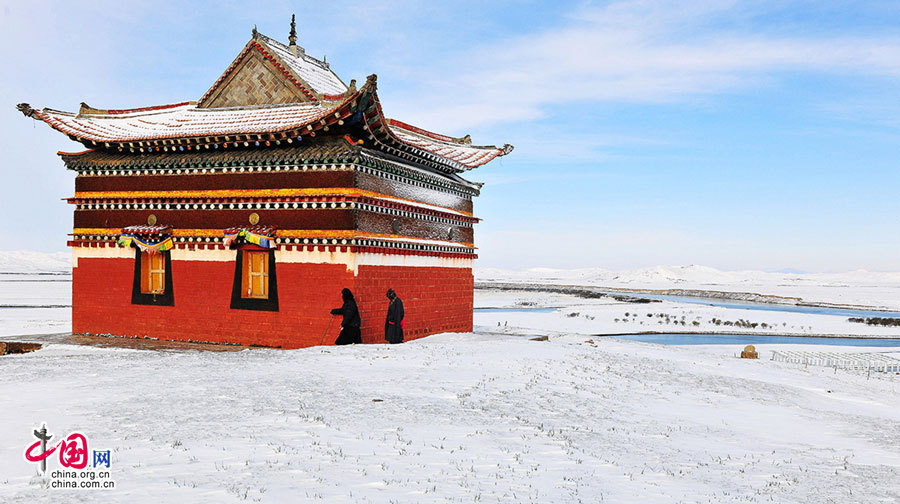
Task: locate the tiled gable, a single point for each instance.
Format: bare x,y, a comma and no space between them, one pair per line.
254,81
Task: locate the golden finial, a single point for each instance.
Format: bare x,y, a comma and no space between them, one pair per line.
293,35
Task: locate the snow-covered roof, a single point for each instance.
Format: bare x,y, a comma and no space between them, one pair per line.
459,150
317,73
182,120
312,77
322,102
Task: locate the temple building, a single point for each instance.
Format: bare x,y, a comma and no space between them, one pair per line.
239,217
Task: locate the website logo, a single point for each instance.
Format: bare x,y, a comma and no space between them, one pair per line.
73,457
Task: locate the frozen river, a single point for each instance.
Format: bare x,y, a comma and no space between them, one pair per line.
742,339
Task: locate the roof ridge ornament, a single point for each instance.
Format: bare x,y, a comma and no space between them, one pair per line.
292,37
255,33
25,109
371,82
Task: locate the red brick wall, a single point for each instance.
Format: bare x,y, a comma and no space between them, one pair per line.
436,300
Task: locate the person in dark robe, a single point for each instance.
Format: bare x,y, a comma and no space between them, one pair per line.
393,325
351,322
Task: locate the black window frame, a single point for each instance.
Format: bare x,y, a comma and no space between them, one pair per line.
238,302
167,298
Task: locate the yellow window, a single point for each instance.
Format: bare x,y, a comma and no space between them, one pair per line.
255,281
153,273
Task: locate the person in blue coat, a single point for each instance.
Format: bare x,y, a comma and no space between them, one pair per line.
351,322
393,324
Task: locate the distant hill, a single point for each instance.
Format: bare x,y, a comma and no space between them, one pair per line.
691,276
28,261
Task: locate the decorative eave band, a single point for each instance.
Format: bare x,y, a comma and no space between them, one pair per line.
336,155
333,195
362,204
322,240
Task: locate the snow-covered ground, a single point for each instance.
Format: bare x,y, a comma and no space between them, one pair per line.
492,416
878,290
455,418
35,292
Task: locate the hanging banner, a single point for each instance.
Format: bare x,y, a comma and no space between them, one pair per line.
248,237
127,240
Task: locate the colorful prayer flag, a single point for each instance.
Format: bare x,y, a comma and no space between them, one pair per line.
248,237
126,240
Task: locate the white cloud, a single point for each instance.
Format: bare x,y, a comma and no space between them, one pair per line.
640,51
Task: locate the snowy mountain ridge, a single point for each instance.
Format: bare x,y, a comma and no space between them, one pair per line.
673,276
877,290
30,261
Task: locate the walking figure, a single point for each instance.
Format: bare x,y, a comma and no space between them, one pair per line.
351,321
393,325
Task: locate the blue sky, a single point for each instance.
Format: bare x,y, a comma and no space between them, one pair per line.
739,135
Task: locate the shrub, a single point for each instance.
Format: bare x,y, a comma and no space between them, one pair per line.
880,321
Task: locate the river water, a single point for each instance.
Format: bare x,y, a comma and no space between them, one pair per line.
738,339
747,305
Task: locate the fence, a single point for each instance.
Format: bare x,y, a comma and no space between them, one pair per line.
864,361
